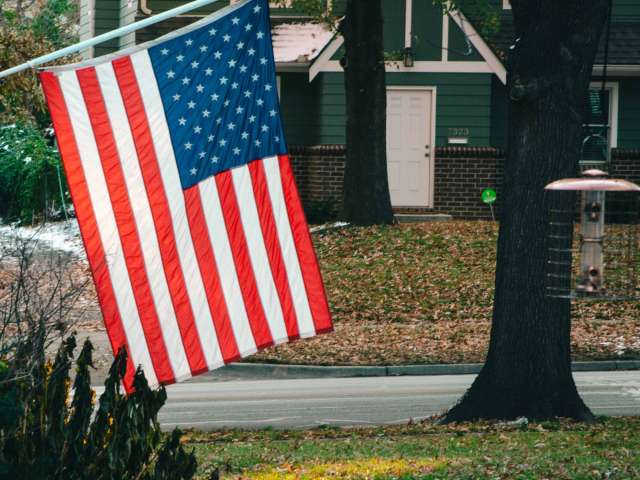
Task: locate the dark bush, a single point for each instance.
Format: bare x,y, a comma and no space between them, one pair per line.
320,211
29,182
46,435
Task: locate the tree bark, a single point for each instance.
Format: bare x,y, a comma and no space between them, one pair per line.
528,366
366,187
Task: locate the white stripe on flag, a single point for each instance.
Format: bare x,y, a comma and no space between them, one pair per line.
106,223
258,254
289,252
212,210
175,197
144,219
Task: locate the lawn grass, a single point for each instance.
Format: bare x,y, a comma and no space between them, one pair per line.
423,293
555,450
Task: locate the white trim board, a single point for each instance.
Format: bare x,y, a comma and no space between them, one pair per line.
423,67
620,70
491,63
445,38
324,58
480,45
408,19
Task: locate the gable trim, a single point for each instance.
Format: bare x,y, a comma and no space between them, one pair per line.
480,45
321,62
445,38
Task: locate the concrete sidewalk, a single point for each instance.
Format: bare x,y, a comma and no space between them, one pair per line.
263,371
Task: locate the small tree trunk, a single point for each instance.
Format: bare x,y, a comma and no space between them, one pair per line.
366,187
528,366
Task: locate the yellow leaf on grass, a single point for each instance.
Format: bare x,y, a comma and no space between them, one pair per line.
362,469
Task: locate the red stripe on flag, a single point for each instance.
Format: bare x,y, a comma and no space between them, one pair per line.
210,275
86,219
306,254
127,229
240,252
274,250
139,125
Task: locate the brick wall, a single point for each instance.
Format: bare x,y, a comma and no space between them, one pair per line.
461,173
626,164
319,172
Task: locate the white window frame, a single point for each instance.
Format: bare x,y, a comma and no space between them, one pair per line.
614,105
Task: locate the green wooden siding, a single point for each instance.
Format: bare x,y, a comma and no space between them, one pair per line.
499,114
162,5
393,12
629,113
157,6
339,7
426,30
299,101
621,8
458,45
626,8
315,113
463,101
106,18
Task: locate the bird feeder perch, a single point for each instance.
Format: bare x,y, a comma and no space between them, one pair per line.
593,252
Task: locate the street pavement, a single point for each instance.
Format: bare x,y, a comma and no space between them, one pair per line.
308,403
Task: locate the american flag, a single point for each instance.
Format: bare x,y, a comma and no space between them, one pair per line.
176,161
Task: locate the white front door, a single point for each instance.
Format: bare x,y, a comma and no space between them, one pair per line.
410,146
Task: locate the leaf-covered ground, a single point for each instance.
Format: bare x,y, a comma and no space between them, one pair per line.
554,450
422,293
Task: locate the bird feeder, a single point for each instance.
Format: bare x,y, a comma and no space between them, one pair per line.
593,252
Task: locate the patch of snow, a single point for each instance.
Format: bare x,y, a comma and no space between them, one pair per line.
57,236
299,42
328,226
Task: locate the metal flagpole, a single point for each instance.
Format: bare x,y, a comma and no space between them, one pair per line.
107,36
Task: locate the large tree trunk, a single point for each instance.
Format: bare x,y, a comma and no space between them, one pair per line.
528,366
366,187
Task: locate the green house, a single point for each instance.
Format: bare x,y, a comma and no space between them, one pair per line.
447,117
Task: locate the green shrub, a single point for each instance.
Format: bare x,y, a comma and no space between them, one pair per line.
320,211
29,30
45,435
29,185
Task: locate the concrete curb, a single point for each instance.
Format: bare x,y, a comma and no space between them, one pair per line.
267,370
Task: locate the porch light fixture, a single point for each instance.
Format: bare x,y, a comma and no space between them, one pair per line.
408,57
593,253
